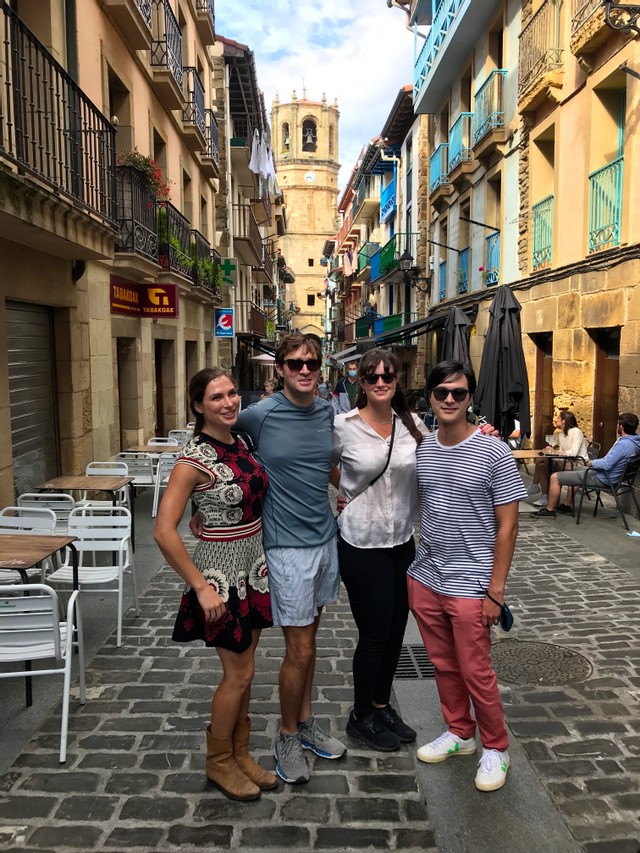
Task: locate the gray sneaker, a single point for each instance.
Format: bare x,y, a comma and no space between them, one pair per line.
290,762
318,741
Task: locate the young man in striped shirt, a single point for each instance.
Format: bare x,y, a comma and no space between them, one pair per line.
469,488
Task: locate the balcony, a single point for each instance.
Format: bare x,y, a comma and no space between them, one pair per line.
133,20
491,272
349,233
364,259
391,251
206,21
388,202
460,152
363,326
193,115
382,325
605,206
247,242
166,56
452,36
463,271
174,240
257,321
442,280
489,132
367,199
375,271
540,65
588,29
210,156
57,152
137,242
205,267
262,206
240,144
439,186
542,221
263,272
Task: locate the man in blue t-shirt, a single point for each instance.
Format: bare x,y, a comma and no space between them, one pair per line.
293,433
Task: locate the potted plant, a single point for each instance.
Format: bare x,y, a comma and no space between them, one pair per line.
150,171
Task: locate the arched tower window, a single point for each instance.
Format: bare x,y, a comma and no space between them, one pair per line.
286,139
330,140
309,135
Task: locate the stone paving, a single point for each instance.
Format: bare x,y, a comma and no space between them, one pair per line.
134,775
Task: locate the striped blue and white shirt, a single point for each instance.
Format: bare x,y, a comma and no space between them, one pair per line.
458,489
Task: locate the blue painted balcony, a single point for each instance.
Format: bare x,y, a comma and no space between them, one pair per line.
442,280
489,121
463,270
491,272
460,144
382,325
364,258
454,32
388,201
439,167
374,264
605,206
542,216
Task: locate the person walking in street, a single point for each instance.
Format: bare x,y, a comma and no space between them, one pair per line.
573,444
346,390
374,447
226,601
293,432
601,472
469,489
270,387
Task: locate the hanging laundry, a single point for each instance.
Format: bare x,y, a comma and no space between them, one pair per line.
254,162
347,263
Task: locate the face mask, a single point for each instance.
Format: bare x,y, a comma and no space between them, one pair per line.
353,374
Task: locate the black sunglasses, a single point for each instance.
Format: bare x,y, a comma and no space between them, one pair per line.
372,378
296,364
458,394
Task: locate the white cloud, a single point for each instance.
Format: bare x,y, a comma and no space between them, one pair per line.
358,51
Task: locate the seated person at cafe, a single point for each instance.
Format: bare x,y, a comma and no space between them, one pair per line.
572,444
601,472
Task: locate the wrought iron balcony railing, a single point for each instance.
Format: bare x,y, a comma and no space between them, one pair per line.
463,270
166,45
489,105
539,46
204,271
211,136
209,8
174,240
49,127
246,228
144,7
193,111
460,143
439,167
542,216
491,272
582,12
605,206
137,215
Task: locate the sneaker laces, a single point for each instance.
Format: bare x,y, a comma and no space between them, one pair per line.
442,739
490,759
314,729
291,748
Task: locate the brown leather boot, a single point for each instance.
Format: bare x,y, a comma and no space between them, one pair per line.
223,771
263,779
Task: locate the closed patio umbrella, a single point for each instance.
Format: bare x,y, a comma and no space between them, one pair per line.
502,394
455,341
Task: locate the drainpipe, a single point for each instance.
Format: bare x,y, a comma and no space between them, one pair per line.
71,36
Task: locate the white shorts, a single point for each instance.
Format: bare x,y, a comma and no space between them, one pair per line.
301,580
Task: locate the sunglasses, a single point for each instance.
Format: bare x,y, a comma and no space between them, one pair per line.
372,378
458,394
296,364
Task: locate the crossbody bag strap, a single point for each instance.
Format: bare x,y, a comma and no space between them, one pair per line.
386,464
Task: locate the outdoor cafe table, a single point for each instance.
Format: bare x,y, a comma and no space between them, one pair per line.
22,551
532,454
155,448
88,483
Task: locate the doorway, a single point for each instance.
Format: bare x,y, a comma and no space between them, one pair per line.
605,386
543,398
128,392
164,364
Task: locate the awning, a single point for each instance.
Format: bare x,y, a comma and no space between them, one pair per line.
403,334
344,354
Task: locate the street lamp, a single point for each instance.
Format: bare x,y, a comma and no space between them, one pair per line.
624,17
405,265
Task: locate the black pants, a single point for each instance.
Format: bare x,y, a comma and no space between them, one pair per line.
376,582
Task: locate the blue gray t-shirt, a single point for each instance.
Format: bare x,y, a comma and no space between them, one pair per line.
294,443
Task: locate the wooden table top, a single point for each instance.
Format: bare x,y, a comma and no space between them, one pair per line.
531,454
24,550
155,448
86,483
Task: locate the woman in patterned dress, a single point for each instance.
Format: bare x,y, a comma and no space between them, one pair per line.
226,601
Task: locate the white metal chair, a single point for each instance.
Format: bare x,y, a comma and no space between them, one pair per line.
103,543
30,629
38,522
191,426
182,436
165,467
160,440
107,469
140,466
59,503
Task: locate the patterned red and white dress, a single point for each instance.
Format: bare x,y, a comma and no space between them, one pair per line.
229,553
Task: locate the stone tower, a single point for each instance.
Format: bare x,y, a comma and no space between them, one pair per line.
305,145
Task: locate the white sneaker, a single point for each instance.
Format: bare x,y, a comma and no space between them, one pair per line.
534,489
492,770
542,500
444,747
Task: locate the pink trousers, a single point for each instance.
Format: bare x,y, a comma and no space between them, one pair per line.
460,649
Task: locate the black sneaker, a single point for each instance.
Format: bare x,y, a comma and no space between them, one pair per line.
392,720
545,513
564,509
371,732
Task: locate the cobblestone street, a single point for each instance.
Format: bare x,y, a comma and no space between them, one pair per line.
134,774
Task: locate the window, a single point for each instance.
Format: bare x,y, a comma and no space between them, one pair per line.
330,140
311,300
286,139
309,135
310,262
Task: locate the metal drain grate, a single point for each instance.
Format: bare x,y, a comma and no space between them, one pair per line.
414,663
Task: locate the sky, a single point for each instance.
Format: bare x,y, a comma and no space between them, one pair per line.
358,51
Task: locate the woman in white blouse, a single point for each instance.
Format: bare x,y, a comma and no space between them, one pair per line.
374,451
573,444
